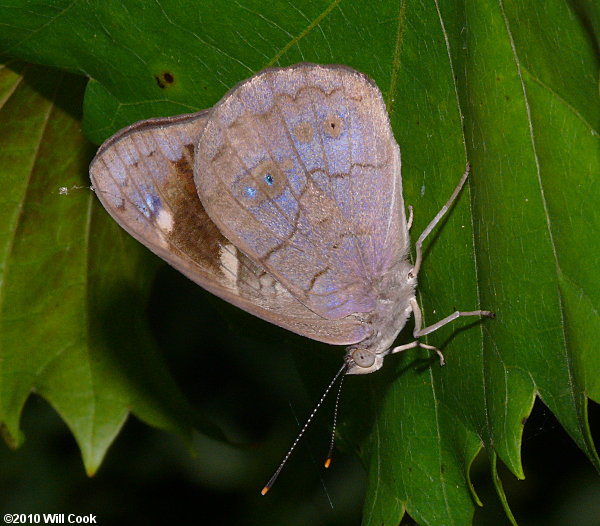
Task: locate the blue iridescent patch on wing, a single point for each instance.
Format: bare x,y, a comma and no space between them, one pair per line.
151,205
250,192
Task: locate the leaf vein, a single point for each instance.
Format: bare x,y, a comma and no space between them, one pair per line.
295,40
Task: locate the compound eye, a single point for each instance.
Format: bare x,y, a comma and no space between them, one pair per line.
363,358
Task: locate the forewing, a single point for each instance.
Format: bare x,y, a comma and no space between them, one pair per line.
144,178
299,168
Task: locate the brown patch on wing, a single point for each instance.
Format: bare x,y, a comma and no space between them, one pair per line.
304,132
193,231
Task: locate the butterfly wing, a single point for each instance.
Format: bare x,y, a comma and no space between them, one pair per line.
144,178
299,168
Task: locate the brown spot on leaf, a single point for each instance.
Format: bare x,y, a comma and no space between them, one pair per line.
164,79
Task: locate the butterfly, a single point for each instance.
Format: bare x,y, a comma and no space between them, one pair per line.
284,199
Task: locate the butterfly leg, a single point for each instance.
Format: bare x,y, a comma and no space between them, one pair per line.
418,322
436,220
452,317
410,217
418,331
417,343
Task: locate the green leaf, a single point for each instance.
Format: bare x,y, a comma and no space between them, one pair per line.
512,86
71,325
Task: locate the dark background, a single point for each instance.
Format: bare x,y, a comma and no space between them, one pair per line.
218,356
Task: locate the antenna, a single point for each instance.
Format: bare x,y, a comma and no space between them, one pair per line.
335,415
308,421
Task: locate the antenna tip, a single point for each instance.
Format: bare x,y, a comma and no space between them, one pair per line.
327,463
264,490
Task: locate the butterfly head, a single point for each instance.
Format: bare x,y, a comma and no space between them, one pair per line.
363,361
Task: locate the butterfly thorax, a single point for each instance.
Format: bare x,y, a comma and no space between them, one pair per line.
395,290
